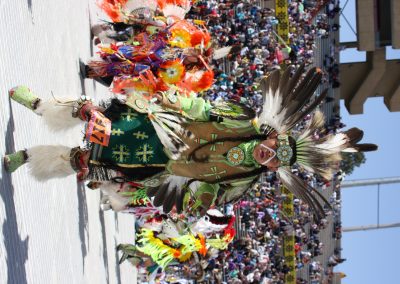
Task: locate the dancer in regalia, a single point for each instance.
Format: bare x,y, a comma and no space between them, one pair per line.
165,146
158,150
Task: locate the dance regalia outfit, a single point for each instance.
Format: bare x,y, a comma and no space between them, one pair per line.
168,55
135,145
157,63
166,151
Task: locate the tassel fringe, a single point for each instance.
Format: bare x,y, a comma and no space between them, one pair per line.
100,173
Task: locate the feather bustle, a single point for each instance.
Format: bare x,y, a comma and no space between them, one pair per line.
354,135
300,190
295,79
300,115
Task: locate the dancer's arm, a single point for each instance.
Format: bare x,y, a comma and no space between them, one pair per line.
196,108
84,109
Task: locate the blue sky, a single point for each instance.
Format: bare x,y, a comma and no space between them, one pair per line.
372,256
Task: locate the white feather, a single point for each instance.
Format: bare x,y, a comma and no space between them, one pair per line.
168,116
171,122
269,115
171,118
350,150
168,136
132,5
334,144
305,136
49,161
221,52
165,140
118,202
163,123
56,116
215,212
153,276
285,176
170,230
175,11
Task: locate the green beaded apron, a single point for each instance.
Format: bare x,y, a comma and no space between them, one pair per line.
133,143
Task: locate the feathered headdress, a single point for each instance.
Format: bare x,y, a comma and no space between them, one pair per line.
287,100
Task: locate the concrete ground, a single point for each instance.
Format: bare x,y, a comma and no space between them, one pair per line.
51,232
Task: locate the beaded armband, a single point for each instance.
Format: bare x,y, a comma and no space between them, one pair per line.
82,108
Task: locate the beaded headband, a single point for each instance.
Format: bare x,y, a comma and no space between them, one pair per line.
284,151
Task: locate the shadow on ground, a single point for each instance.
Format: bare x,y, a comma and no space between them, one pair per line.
29,6
16,247
83,220
117,267
104,233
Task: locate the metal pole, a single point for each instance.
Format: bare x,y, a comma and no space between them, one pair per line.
378,204
363,182
370,227
367,182
348,23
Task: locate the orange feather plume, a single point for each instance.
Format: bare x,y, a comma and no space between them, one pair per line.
198,81
199,37
163,3
112,8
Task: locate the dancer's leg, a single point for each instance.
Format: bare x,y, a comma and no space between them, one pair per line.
57,115
88,72
49,161
13,161
24,96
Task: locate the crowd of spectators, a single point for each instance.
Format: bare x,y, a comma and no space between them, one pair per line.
256,48
257,256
